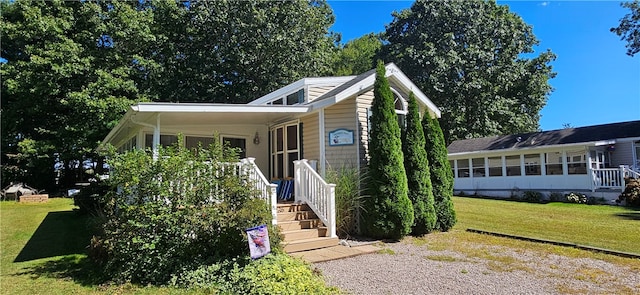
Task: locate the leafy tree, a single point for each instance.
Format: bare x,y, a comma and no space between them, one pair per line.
417,167
441,174
357,56
67,79
471,58
629,28
73,67
387,212
236,51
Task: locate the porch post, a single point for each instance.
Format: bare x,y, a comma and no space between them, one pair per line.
622,171
156,138
321,138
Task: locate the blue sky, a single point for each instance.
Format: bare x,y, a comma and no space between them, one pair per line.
596,82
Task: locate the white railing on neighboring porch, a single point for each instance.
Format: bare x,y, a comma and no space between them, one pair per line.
630,173
266,189
319,195
608,178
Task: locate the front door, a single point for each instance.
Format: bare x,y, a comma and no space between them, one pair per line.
285,148
597,159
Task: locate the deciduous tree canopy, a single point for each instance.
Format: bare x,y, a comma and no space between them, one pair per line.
475,61
629,28
72,67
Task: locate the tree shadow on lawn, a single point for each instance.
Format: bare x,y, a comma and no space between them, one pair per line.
78,268
60,233
67,234
630,215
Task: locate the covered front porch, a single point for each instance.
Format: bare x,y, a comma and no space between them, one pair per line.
270,142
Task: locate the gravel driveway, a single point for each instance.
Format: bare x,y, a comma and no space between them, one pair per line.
406,268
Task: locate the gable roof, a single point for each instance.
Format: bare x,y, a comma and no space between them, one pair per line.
588,134
365,81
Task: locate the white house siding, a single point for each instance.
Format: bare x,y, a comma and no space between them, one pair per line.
259,151
505,186
364,102
314,92
310,145
341,116
623,154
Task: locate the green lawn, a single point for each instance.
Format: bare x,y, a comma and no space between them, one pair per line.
609,227
43,251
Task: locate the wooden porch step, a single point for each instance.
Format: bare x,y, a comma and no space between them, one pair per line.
303,234
310,244
299,224
292,207
297,215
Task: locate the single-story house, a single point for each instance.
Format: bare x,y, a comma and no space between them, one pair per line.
298,131
592,160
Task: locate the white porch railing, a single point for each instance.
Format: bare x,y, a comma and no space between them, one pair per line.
261,184
608,178
630,173
316,193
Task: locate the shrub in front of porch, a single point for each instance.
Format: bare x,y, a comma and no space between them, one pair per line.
175,214
388,212
631,194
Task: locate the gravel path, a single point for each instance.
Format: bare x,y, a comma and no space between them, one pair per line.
404,268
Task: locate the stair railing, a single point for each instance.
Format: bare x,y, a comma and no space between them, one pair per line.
319,195
266,189
628,172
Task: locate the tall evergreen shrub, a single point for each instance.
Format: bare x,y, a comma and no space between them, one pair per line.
416,165
388,212
441,175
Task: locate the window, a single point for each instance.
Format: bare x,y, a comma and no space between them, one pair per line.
165,140
453,168
532,164
553,163
577,162
129,145
295,98
192,142
513,165
463,168
401,110
478,167
238,143
495,166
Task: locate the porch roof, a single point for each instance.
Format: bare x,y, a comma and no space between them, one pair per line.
588,135
185,114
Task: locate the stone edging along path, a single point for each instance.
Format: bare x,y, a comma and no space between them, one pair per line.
583,247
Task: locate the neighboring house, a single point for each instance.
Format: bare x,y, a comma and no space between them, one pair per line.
324,120
592,160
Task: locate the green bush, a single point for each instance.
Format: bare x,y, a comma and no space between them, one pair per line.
91,199
441,175
577,198
183,210
273,274
388,212
532,196
631,194
418,177
348,198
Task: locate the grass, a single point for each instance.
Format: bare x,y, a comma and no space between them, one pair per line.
609,227
43,251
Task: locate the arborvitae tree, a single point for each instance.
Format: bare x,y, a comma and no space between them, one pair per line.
416,165
387,212
441,175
